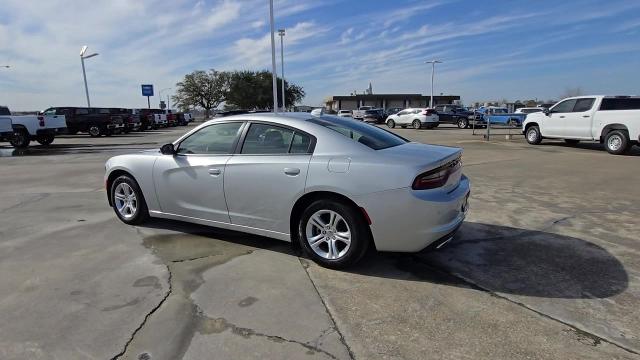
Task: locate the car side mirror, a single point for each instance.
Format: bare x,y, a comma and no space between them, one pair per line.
168,149
546,111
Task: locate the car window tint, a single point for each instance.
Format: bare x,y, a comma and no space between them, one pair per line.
267,139
369,135
300,144
564,106
620,104
583,105
50,111
82,111
403,112
213,139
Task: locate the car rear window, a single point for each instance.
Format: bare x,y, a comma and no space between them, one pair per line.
4,110
620,104
369,135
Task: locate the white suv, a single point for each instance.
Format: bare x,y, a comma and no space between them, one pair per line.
415,117
612,120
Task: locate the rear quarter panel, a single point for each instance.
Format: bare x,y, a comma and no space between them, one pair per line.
629,118
140,166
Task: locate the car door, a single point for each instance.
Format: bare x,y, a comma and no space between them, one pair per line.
554,123
577,123
403,117
267,176
191,182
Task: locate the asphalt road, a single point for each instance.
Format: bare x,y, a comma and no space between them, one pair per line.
546,267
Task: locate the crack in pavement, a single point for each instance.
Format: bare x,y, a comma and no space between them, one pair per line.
580,332
146,318
305,266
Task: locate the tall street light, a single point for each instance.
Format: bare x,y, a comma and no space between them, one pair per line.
273,60
433,70
160,96
281,33
84,74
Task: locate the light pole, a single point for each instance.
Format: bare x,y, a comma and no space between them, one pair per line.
281,33
160,96
84,74
433,70
273,60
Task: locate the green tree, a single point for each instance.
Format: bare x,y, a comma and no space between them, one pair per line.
205,89
253,90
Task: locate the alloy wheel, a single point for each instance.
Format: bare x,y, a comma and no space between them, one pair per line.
328,234
126,201
614,142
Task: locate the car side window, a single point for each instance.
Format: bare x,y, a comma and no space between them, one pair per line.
50,111
267,139
213,139
583,105
564,107
403,112
82,111
301,144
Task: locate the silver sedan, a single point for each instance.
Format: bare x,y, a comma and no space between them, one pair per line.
334,185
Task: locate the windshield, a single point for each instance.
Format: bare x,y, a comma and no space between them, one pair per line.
369,135
499,111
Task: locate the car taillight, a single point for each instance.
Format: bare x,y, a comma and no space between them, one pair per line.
437,177
41,121
428,112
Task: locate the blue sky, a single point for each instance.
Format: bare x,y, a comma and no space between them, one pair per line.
491,50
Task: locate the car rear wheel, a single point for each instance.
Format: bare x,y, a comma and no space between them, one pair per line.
94,131
533,135
391,123
128,201
20,138
463,123
45,139
333,234
617,142
416,124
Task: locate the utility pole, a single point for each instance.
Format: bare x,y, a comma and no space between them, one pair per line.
281,32
433,71
273,60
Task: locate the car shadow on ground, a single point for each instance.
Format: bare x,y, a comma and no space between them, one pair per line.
514,261
590,146
482,256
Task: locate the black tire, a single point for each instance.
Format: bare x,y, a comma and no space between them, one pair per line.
360,235
571,141
416,124
46,139
533,136
617,142
94,131
20,139
463,123
391,124
142,212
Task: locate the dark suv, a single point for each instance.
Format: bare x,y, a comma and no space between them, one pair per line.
94,121
454,114
375,116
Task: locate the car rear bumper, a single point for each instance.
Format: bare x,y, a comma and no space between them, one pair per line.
405,220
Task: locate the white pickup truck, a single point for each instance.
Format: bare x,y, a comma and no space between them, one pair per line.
612,120
25,128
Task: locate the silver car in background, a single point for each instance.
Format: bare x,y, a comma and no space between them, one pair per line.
332,184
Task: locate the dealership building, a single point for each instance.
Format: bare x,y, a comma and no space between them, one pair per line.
353,102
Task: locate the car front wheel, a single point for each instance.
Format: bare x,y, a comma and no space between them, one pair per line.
533,135
94,131
391,123
333,234
45,139
463,123
128,201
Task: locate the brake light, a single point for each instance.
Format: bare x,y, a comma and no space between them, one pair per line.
41,121
428,112
437,177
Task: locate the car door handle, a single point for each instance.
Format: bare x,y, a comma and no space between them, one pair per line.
586,116
561,117
292,171
215,172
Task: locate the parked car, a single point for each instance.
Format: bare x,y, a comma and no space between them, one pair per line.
25,128
415,117
529,110
359,114
498,115
393,110
156,118
314,184
171,118
188,117
454,114
345,113
131,121
612,120
94,121
6,131
375,116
